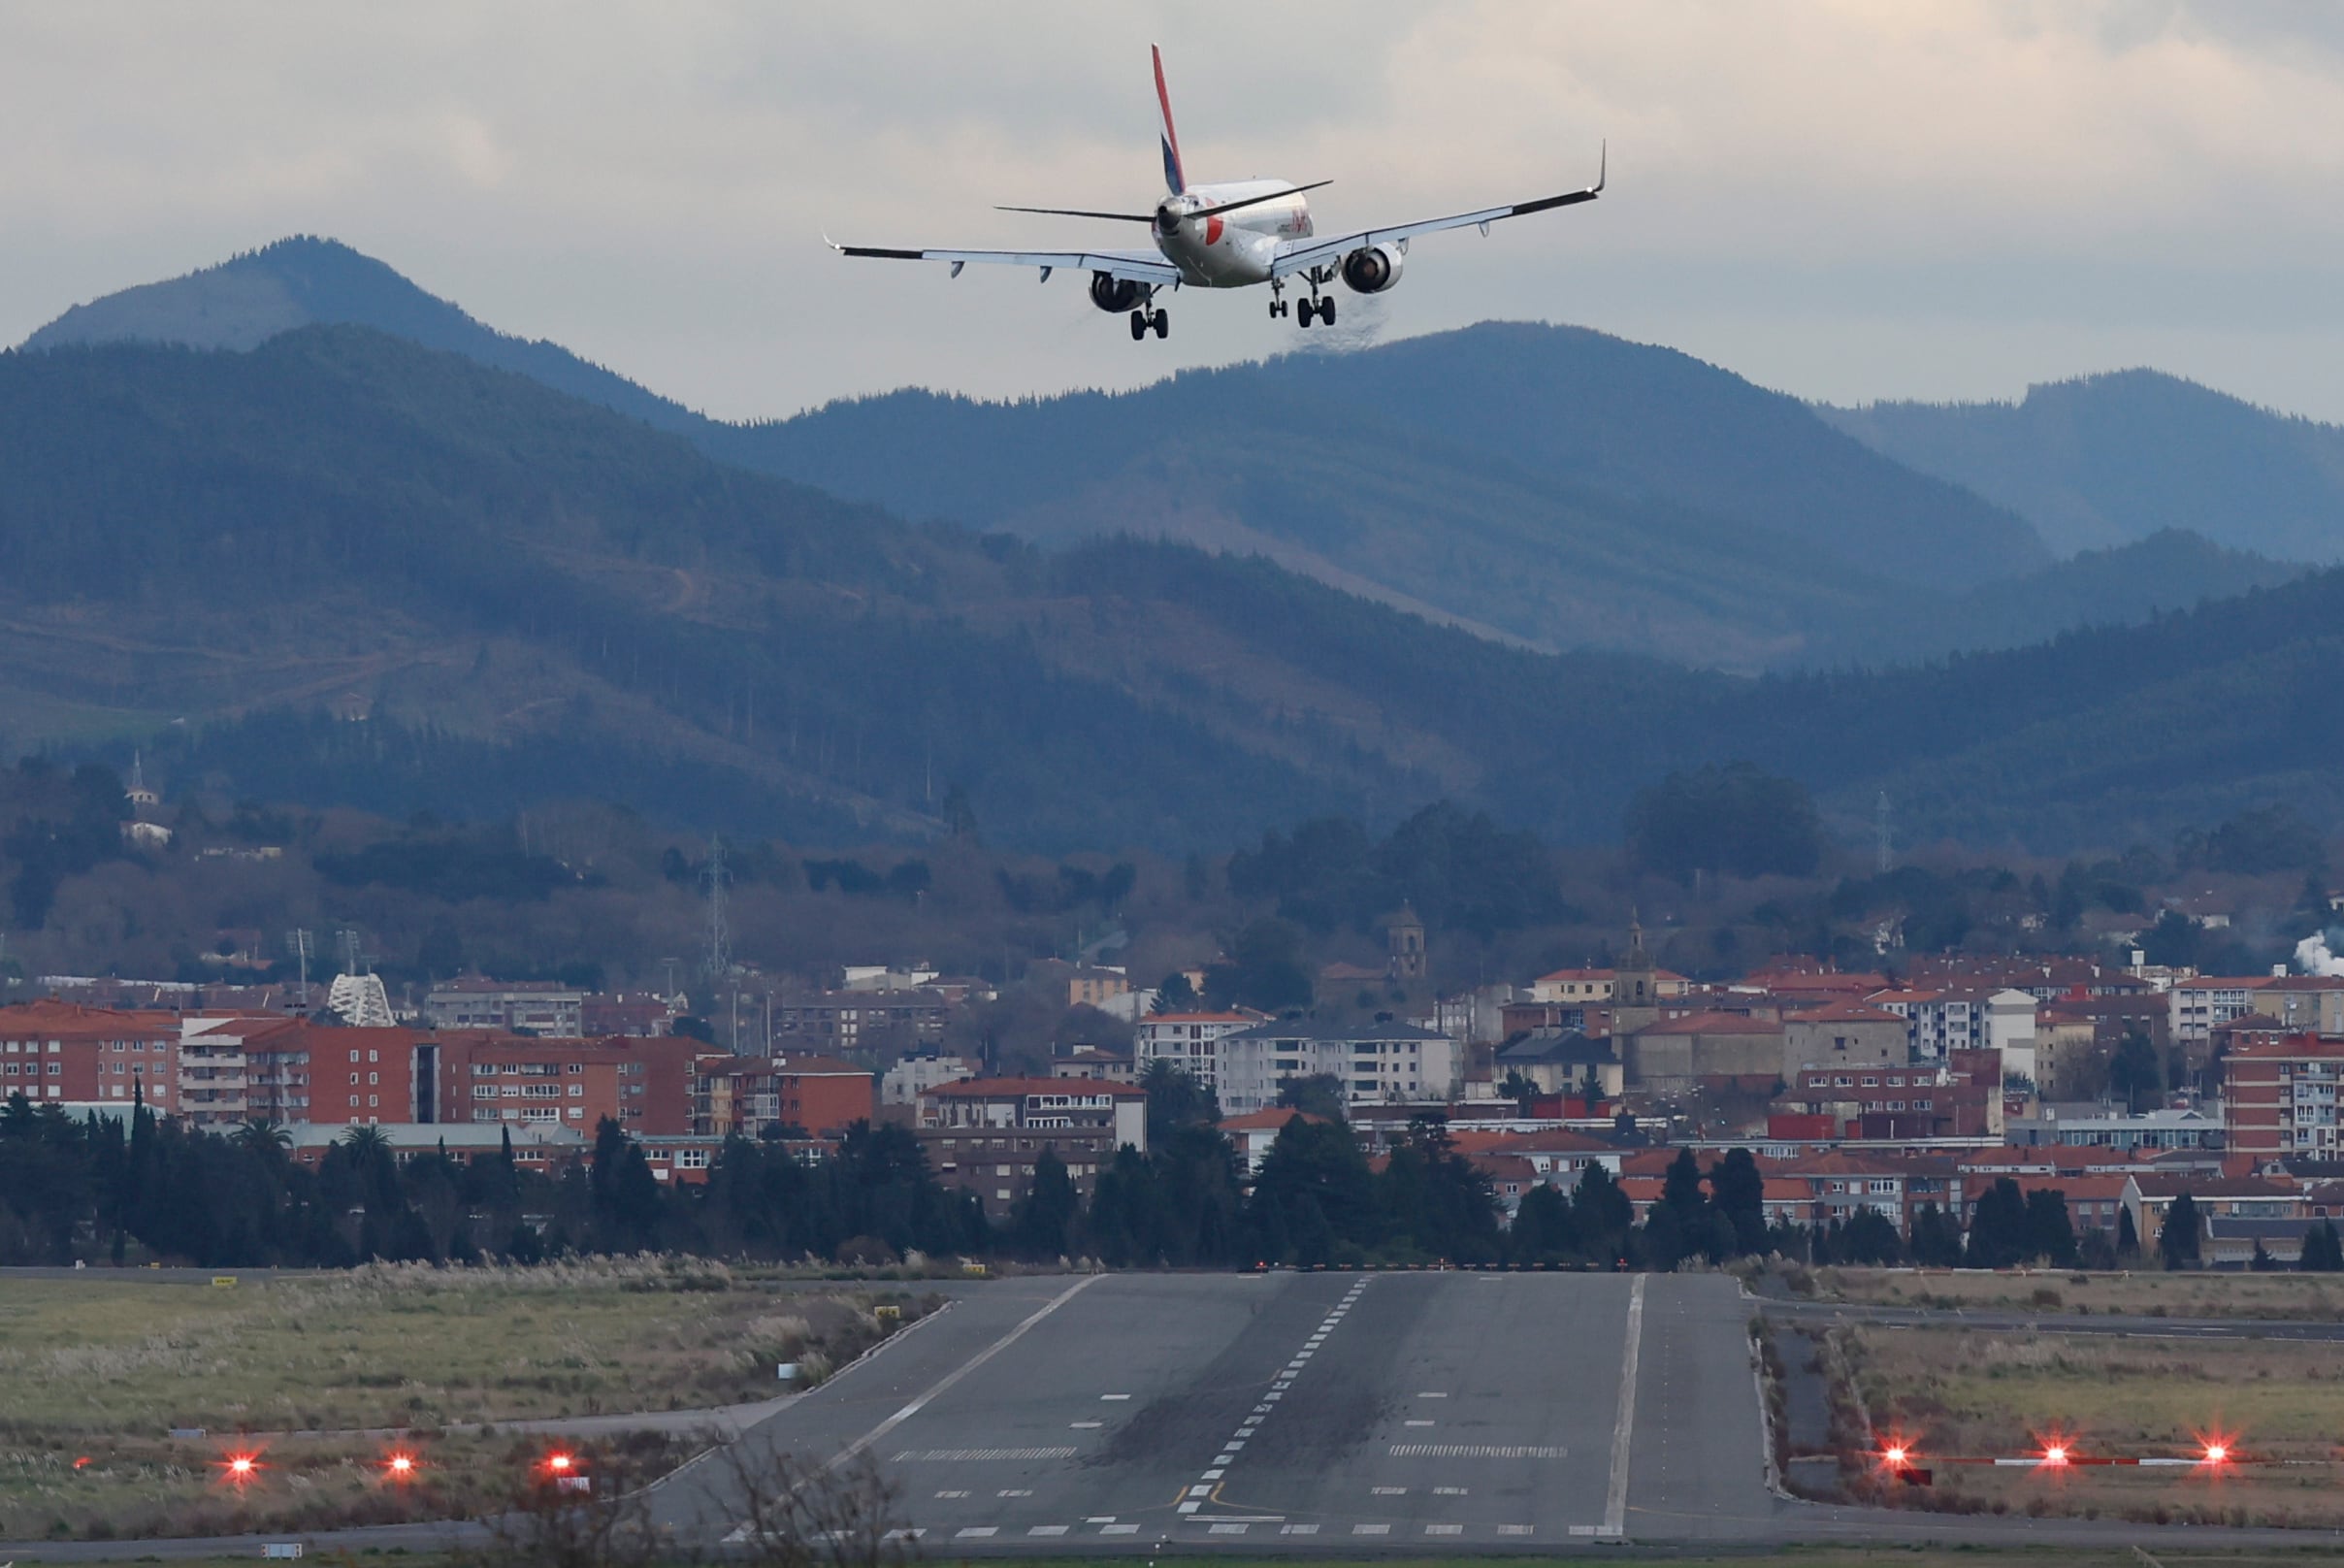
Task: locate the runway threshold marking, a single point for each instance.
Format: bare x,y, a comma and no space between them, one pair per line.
944,1384
1623,1430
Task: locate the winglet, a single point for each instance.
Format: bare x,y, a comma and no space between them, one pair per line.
1603,161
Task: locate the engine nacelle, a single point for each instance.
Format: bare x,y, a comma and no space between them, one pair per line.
1372,269
1114,294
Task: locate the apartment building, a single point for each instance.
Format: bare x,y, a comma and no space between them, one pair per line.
52,1052
644,1086
2199,1007
1375,1062
1189,1041
750,1095
987,1134
538,1007
2279,1096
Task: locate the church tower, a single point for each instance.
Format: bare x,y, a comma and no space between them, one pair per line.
1403,933
1635,986
1634,983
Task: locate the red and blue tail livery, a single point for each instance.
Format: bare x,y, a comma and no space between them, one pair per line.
1173,178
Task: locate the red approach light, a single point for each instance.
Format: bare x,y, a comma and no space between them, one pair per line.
1893,1455
559,1463
241,1468
82,1463
2216,1453
400,1466
2055,1454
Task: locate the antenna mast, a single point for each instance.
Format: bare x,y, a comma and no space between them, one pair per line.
1880,828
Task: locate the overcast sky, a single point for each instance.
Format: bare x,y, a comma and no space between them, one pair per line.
1846,199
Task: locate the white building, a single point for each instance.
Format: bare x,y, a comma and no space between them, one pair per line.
1937,1021
1375,1062
2202,1005
908,1079
1189,1041
2011,1031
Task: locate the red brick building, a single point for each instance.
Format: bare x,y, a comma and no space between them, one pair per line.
53,1051
644,1086
2279,1095
748,1094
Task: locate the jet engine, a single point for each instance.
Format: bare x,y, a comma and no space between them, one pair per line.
1114,294
1372,269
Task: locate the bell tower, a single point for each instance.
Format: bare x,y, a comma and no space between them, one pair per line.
1404,934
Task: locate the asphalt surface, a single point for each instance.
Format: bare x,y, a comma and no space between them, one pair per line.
1415,1414
1293,1411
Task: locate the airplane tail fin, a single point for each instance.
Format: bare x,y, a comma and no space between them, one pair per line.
1173,176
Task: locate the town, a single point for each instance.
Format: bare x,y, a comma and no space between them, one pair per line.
1882,1117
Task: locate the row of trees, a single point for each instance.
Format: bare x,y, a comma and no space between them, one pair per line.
73,1188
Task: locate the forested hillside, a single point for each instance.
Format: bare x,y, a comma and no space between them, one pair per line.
1555,484
2108,458
342,569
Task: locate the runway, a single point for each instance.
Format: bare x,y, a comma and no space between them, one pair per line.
1451,1411
1337,1414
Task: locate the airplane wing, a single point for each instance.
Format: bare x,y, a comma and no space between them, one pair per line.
1136,266
1301,256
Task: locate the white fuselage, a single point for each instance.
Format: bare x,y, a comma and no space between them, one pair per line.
1236,249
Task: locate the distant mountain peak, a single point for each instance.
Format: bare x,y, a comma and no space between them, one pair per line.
312,280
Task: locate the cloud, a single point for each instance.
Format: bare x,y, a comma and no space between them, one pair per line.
2004,190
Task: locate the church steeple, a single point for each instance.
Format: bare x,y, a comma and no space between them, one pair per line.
1633,984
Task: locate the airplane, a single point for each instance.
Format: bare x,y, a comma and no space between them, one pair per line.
1228,236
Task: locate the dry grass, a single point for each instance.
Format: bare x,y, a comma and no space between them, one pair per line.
1954,1392
2151,1294
100,1370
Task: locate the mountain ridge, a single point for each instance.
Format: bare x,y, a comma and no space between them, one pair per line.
2108,459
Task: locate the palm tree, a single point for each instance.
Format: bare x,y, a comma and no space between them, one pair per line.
260,1135
366,1144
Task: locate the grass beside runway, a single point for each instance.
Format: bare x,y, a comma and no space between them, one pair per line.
2146,1293
1948,1392
97,1371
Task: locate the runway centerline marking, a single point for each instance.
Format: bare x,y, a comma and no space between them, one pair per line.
1623,1431
1251,1424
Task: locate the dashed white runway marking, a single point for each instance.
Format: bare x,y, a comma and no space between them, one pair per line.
1416,1424
1251,1425
1298,1529
1444,1529
1227,1529
1449,1491
977,1532
1388,1491
1120,1529
1515,1529
1371,1529
1016,1492
948,1495
1087,1427
1047,1529
1114,1396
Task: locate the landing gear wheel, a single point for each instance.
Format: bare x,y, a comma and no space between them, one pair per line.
1306,312
1327,311
1139,325
1164,325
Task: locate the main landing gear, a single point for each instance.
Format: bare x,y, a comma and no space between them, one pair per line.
1317,308
1143,319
